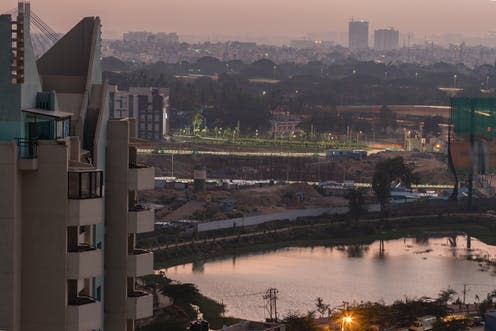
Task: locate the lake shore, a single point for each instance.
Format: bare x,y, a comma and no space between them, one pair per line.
324,233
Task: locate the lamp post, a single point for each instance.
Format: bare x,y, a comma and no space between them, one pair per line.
346,320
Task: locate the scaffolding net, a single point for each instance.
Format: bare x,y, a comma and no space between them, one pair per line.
474,125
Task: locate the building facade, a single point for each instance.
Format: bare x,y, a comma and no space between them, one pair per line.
358,35
386,39
68,259
149,106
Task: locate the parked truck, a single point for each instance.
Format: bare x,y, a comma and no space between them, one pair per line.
423,323
490,321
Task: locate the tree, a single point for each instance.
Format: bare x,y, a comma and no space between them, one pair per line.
446,296
386,173
196,122
356,204
300,322
322,308
452,325
431,125
387,119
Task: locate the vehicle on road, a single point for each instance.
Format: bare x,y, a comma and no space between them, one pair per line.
423,323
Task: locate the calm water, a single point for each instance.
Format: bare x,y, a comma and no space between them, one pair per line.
410,267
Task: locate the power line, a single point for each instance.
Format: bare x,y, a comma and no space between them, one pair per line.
271,303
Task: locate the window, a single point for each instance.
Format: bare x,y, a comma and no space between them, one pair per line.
99,293
85,184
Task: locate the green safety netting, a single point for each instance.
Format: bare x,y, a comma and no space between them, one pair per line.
475,116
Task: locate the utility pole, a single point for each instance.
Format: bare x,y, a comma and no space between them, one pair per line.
271,303
172,165
464,292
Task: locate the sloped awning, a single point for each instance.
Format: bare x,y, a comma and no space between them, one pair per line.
48,113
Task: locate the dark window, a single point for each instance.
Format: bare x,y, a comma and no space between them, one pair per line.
85,184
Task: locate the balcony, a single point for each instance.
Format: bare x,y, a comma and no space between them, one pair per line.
141,177
27,154
85,212
85,184
139,263
140,220
139,305
84,313
84,261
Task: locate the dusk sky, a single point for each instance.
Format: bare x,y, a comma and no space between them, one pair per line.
269,17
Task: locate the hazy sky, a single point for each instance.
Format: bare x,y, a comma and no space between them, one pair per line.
269,17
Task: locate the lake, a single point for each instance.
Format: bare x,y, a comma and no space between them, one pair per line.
410,267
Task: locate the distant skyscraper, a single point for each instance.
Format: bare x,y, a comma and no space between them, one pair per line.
386,39
358,35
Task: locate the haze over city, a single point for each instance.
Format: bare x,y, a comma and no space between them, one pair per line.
257,165
270,18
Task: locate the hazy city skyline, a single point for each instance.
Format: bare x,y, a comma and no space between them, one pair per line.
270,18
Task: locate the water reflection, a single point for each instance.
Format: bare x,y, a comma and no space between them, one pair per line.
198,266
390,270
356,250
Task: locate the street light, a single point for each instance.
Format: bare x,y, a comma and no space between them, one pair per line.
346,320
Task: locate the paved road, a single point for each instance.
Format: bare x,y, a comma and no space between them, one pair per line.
261,233
168,152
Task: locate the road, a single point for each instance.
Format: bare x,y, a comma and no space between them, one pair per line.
242,182
168,152
280,230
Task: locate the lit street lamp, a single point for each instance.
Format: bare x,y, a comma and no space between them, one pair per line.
346,320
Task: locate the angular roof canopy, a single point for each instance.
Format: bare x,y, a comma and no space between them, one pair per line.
72,54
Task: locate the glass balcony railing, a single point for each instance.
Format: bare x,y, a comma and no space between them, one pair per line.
27,148
83,184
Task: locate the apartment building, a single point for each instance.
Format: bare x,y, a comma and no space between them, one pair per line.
386,39
149,106
358,35
69,179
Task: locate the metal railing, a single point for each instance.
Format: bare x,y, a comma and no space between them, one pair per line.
27,148
85,184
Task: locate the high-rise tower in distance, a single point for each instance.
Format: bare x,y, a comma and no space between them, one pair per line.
358,35
386,39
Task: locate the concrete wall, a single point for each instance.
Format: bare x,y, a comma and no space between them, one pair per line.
44,244
116,192
10,239
291,215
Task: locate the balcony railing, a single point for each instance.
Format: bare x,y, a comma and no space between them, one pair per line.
138,207
141,177
138,251
27,148
83,261
81,300
140,219
86,314
81,247
139,305
139,263
85,184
